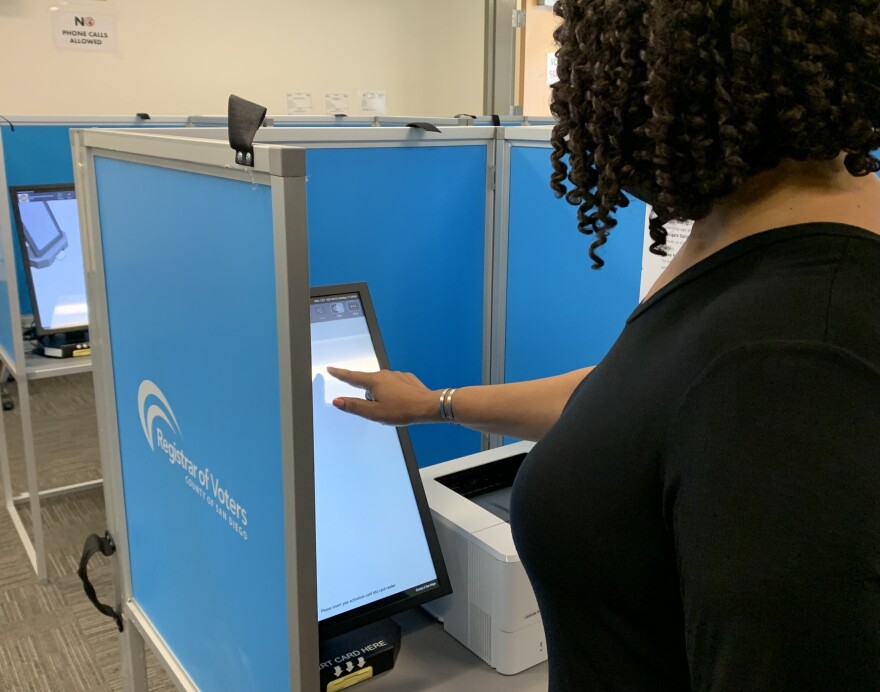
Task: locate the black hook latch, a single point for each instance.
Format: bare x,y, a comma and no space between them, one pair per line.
96,544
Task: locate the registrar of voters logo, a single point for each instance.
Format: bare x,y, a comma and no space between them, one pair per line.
149,412
163,434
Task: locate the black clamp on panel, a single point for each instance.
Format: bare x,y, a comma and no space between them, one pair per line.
142,116
427,127
496,120
94,545
245,118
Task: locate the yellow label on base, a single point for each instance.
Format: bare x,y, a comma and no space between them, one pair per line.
352,679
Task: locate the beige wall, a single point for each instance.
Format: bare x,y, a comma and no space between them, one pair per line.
185,57
540,24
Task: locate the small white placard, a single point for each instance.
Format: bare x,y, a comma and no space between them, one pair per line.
552,76
373,102
299,103
85,32
336,103
653,265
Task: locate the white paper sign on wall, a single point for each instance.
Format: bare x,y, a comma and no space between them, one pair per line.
85,32
373,102
299,102
336,103
653,265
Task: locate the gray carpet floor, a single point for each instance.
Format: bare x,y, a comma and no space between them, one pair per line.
51,637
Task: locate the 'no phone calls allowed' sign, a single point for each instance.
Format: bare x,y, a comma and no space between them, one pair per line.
92,33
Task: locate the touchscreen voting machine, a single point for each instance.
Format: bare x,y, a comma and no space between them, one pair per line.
377,550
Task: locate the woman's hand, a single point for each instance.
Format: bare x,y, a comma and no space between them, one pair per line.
390,397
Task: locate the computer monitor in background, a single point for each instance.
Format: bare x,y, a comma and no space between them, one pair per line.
377,550
48,228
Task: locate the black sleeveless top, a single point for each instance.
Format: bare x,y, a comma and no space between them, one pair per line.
705,515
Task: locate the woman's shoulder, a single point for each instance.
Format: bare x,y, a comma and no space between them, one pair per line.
852,319
821,285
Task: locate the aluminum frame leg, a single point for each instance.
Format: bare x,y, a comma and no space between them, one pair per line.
134,658
30,461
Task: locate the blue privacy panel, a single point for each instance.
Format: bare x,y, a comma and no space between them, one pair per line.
34,155
190,281
410,221
561,314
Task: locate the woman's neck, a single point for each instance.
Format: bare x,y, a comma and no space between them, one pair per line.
792,193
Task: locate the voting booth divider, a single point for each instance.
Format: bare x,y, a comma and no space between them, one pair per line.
209,485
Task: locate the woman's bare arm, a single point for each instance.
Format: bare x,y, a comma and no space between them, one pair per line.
524,410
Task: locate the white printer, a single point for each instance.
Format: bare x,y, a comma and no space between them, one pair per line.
492,608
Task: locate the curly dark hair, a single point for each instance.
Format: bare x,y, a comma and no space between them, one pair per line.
681,101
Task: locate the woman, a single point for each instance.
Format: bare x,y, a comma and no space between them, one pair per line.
702,509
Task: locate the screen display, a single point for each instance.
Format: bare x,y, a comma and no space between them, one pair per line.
371,543
49,230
